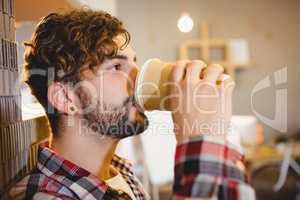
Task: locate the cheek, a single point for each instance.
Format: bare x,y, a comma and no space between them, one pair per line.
114,89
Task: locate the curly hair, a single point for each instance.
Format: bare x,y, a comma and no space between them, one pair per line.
64,42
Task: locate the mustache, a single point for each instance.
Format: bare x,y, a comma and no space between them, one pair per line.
129,101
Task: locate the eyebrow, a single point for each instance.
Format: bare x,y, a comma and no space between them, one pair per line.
123,57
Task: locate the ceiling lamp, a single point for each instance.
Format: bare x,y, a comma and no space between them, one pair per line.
185,23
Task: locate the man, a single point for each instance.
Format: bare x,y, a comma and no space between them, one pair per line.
82,69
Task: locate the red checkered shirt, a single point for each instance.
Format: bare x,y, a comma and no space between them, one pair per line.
204,168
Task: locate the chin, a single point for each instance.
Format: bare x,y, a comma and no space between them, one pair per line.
139,116
140,121
136,114
134,123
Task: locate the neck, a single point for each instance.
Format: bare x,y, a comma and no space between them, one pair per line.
85,148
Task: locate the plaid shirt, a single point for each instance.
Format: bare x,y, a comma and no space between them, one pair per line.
204,168
208,167
55,178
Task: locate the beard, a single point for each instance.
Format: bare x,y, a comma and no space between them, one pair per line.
113,121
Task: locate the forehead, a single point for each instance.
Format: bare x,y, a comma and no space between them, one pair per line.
128,50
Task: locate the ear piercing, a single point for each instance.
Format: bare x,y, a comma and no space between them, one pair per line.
72,109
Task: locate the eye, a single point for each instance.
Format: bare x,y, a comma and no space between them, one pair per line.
116,66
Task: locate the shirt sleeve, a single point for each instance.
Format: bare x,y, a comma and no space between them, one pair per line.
208,167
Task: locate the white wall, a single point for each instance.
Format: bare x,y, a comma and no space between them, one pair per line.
106,5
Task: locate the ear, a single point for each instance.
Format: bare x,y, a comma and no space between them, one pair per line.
62,98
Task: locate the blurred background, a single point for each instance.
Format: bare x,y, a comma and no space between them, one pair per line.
256,40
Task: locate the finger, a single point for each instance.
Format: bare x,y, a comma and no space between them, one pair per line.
213,72
178,71
221,78
225,81
193,70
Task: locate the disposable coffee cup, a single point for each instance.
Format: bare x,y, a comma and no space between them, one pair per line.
153,85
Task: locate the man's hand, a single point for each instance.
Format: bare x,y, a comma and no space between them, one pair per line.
201,100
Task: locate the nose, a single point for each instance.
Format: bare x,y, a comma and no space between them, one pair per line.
134,72
132,77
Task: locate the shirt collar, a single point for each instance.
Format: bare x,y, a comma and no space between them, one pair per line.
84,184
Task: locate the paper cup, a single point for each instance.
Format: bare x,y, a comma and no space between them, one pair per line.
153,85
152,89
